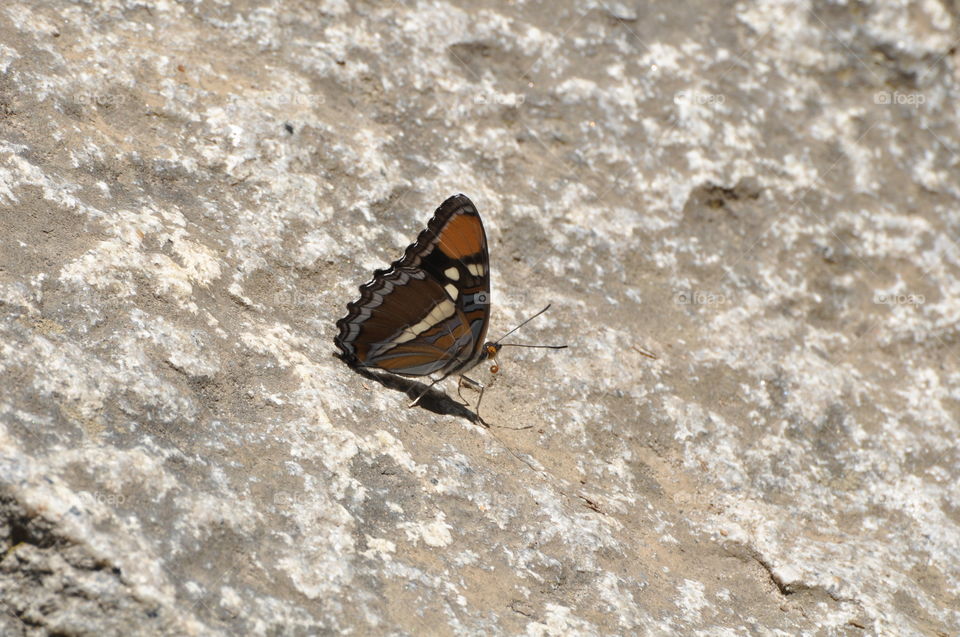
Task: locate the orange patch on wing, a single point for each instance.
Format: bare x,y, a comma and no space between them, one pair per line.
360,350
446,342
462,237
406,362
450,328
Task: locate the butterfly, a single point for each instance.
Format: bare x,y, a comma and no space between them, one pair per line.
428,313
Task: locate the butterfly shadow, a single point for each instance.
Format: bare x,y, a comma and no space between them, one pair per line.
432,400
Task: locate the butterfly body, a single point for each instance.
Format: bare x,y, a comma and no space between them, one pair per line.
429,311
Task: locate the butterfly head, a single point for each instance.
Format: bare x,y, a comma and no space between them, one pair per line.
490,353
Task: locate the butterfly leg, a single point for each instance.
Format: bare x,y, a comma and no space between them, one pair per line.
460,385
478,386
423,393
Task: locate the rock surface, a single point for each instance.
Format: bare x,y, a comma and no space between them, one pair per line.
762,194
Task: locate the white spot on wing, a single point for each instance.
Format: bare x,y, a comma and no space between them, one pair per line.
403,338
443,311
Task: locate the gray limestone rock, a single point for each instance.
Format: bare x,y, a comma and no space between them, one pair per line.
763,195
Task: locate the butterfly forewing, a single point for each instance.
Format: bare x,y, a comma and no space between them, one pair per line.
428,312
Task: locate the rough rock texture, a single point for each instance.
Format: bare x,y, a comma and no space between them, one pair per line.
762,194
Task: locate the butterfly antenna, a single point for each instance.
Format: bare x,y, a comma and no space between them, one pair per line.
524,323
521,325
533,346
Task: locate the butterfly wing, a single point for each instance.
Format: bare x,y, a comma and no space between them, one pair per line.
428,312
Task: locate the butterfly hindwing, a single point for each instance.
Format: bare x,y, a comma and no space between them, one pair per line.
428,312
